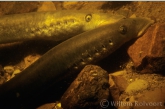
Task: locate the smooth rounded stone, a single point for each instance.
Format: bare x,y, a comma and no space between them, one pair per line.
136,86
87,91
17,71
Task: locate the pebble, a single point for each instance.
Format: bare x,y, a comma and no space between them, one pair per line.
136,86
17,71
9,69
31,59
130,80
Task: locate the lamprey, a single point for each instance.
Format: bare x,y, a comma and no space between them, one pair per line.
55,25
72,55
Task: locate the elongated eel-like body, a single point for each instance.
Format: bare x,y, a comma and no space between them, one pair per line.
54,25
72,54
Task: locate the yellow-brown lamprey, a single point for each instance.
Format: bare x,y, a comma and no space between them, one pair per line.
55,25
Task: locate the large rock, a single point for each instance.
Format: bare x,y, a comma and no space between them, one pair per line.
148,52
87,91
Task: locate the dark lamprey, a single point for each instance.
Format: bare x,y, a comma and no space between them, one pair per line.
72,54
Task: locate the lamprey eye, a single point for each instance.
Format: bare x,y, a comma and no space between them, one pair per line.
88,17
123,29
